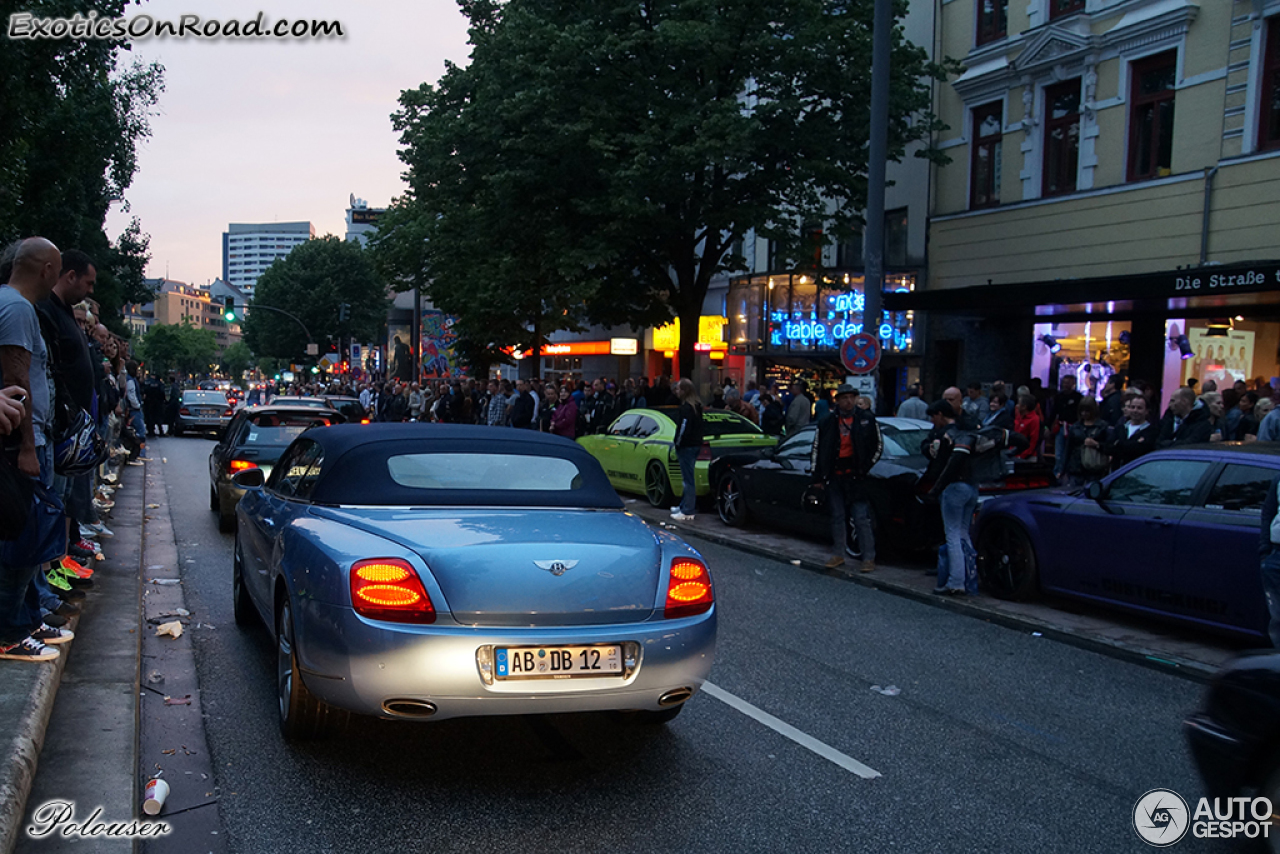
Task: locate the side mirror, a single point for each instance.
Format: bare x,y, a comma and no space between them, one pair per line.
1096,490
249,479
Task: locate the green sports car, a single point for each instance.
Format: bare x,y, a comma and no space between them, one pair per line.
638,450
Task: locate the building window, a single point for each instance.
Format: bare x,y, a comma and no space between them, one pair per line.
1269,117
985,158
849,249
1151,117
1061,138
1062,8
895,238
993,16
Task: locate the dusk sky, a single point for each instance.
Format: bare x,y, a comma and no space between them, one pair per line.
277,130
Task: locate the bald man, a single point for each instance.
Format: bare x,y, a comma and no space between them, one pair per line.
23,357
955,397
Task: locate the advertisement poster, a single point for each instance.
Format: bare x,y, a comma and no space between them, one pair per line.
1222,358
438,359
399,352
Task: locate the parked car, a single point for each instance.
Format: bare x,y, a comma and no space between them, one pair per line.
1173,534
349,407
639,456
256,438
207,411
777,489
299,400
430,571
1235,735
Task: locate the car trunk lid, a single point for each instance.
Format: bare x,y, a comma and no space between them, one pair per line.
523,567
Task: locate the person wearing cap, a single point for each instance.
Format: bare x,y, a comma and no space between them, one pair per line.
846,445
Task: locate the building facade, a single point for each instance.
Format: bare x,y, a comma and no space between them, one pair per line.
1113,198
362,220
178,303
248,249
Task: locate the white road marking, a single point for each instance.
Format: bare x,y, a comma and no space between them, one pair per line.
783,728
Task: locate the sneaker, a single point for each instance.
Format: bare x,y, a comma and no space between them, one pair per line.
88,546
57,581
103,507
52,619
72,567
867,566
682,517
47,634
675,509
67,610
78,553
29,650
144,459
834,562
112,478
136,463
97,529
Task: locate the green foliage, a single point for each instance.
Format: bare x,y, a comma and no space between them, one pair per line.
597,159
71,116
236,359
309,283
183,348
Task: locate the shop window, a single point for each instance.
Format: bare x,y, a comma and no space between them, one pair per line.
895,238
1269,115
1062,8
1061,138
1151,117
993,17
985,157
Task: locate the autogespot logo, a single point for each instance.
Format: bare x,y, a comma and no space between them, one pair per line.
1160,817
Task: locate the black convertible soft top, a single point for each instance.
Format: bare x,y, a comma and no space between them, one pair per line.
355,469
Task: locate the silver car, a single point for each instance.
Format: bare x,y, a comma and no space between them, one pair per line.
209,411
427,571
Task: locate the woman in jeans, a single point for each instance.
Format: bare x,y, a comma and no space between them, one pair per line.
688,443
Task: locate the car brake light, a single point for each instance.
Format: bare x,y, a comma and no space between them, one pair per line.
389,589
704,453
364,420
184,411
688,590
241,465
230,412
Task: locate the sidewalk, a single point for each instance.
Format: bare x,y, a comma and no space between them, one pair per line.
88,741
1147,642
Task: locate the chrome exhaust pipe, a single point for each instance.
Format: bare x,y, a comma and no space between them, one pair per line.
406,708
675,697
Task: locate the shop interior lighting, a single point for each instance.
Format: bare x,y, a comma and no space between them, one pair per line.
1051,343
1218,327
1184,347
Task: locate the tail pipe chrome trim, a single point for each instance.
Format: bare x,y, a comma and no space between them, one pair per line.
409,708
675,697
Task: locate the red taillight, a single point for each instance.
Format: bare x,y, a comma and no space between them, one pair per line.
184,411
230,412
389,589
241,465
704,453
689,590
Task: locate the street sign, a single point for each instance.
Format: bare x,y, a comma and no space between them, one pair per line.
865,384
328,360
313,349
860,353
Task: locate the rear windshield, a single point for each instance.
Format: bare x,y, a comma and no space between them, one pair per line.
273,429
206,397
466,472
903,443
717,423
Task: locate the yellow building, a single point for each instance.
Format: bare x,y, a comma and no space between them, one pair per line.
1114,185
178,302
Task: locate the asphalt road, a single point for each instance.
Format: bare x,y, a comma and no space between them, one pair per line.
998,741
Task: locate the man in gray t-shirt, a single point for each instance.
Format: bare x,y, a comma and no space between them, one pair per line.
20,327
23,357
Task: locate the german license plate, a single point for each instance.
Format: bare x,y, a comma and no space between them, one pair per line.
558,662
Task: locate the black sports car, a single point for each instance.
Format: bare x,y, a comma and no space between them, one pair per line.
777,489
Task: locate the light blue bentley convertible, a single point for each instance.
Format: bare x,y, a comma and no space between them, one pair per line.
424,571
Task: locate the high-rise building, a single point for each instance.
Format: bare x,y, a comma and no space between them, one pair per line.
249,248
362,220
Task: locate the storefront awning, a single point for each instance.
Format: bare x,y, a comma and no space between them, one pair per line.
1193,291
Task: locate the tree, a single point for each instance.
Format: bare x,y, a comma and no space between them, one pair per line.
310,283
640,141
70,120
236,359
182,348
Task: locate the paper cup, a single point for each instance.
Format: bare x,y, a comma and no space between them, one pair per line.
154,795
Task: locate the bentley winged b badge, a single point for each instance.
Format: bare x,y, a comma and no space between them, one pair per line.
556,567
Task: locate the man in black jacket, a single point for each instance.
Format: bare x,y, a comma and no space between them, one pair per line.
1186,422
1136,436
846,445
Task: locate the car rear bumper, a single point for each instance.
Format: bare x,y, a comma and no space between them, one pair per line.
359,664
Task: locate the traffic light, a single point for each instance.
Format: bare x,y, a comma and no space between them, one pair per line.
229,309
344,312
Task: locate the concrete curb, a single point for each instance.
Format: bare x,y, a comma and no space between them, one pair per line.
1189,669
22,754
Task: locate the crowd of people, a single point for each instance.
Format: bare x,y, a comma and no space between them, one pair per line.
70,403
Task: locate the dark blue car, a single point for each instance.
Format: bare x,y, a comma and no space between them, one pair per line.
1173,534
